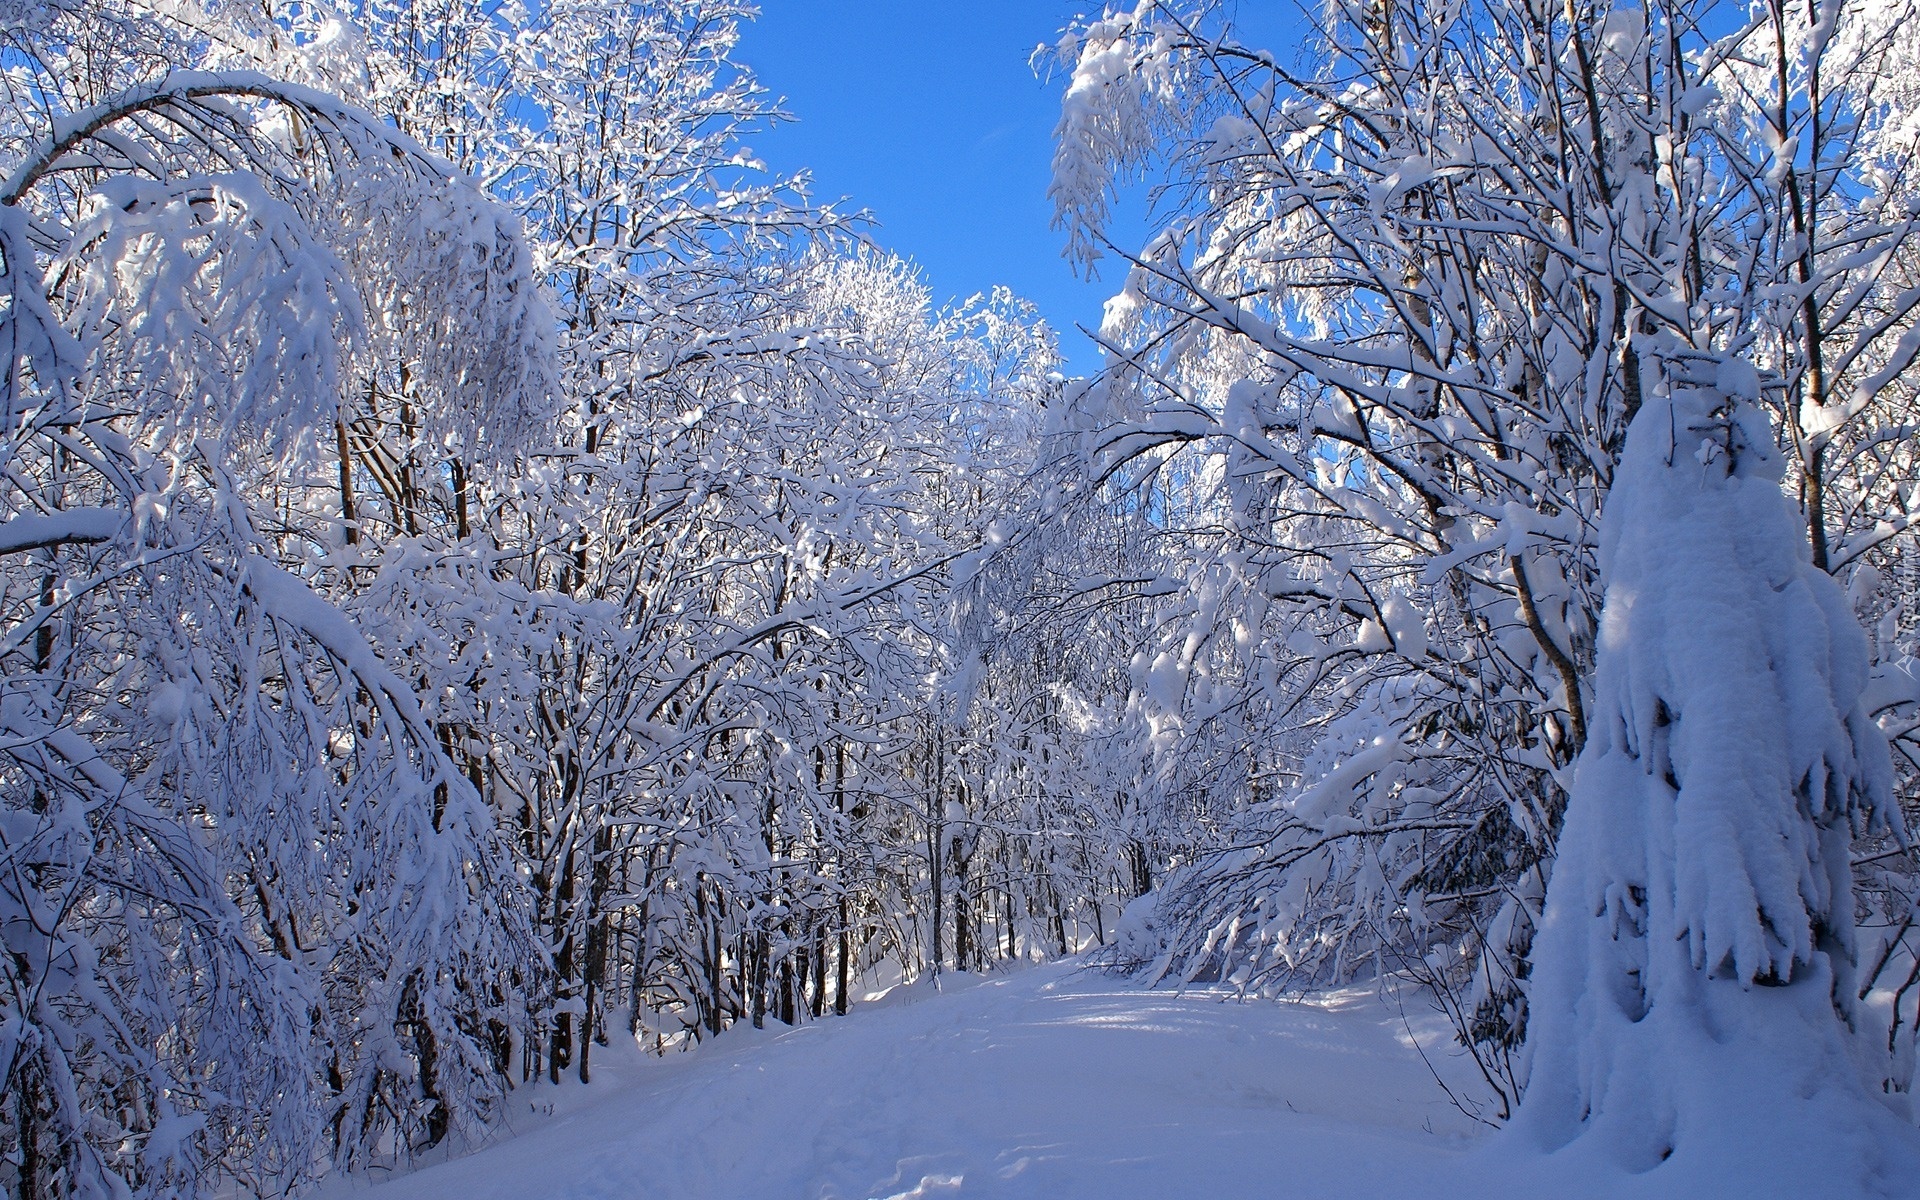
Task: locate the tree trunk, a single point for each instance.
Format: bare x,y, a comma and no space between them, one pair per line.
560,1049
936,838
845,964
349,523
963,952
1013,948
599,935
819,969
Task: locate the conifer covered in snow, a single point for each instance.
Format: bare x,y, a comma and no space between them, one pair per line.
1694,981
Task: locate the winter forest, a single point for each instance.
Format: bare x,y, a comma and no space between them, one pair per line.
497,584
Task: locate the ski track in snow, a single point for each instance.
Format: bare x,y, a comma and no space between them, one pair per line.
1054,1082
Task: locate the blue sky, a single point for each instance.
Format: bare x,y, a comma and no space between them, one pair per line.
928,115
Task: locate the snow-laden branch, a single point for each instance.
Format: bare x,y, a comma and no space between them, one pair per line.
35,531
179,88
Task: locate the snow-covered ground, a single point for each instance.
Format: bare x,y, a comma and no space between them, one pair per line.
1054,1083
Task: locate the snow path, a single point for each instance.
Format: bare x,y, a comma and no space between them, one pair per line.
1053,1083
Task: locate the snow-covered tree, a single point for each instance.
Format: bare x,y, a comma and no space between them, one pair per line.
1694,987
1397,318
253,914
